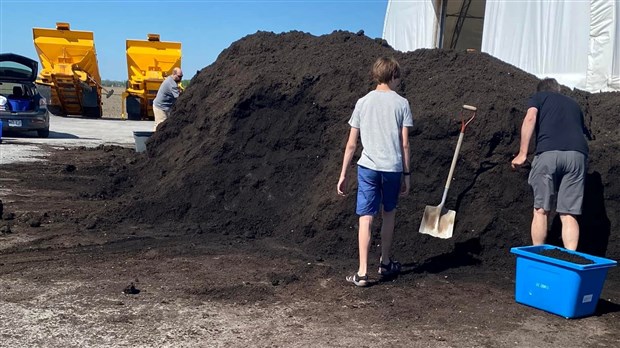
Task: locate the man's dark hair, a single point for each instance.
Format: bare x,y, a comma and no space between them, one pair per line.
548,85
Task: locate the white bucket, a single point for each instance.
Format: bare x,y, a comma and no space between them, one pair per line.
140,138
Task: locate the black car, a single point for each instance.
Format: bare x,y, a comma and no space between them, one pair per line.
22,108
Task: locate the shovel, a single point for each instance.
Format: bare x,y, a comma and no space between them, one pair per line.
438,221
108,93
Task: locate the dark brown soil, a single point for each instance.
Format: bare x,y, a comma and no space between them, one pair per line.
231,230
255,146
566,256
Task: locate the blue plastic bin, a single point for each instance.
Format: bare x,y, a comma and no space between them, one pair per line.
19,104
560,287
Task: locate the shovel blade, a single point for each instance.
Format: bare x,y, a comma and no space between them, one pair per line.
438,222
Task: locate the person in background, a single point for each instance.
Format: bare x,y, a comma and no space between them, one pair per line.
167,95
558,170
380,119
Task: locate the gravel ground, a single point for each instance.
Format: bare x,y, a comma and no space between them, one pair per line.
74,132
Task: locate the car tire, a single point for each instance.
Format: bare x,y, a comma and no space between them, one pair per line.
43,133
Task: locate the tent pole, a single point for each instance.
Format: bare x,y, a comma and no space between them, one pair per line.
442,22
459,23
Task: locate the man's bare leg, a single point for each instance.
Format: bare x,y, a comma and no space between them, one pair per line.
570,231
539,226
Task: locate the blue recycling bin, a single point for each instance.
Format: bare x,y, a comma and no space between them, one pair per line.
560,287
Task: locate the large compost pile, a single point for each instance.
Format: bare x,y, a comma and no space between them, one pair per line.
254,148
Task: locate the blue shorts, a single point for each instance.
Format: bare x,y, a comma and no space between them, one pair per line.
375,188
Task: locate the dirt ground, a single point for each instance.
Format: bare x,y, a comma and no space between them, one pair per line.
228,231
112,107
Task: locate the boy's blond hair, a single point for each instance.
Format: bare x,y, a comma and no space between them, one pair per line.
385,69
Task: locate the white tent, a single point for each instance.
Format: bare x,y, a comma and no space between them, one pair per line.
576,42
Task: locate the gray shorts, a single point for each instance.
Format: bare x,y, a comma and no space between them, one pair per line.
558,176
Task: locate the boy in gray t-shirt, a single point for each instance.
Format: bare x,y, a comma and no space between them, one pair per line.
380,119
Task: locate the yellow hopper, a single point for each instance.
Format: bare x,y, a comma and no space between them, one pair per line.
69,67
149,62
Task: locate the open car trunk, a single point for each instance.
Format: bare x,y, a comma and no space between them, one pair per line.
20,97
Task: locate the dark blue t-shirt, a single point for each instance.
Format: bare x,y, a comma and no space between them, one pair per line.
559,123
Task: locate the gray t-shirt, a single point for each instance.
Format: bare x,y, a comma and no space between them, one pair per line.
380,117
167,94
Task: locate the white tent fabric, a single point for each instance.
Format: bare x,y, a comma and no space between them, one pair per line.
410,25
614,83
576,42
600,58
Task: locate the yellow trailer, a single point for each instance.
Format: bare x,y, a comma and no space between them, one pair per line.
69,67
149,62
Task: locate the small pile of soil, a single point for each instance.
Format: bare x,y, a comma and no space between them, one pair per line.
254,148
566,256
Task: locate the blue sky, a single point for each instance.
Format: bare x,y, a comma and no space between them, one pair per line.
204,27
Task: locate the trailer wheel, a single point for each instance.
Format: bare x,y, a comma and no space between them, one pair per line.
56,110
133,117
91,112
133,108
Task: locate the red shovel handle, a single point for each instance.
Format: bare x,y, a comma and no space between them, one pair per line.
464,124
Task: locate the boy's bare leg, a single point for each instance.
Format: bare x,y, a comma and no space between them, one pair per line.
365,223
539,226
387,234
570,231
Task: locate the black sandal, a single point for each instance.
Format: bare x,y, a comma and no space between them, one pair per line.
392,269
